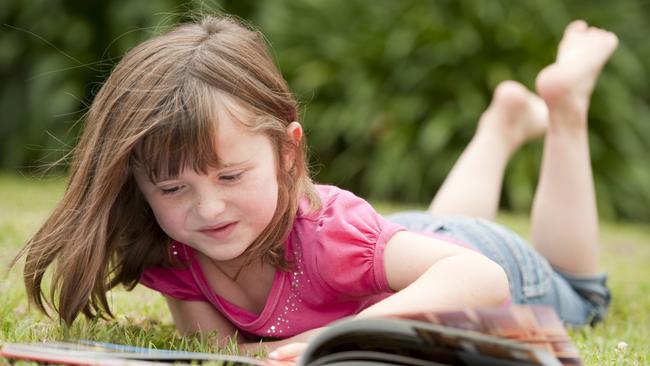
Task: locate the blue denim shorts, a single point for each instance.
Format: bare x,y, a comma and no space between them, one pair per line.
578,300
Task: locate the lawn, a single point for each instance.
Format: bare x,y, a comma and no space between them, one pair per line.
142,319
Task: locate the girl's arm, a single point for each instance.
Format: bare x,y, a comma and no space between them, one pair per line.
191,317
433,275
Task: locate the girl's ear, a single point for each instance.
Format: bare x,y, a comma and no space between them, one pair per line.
294,131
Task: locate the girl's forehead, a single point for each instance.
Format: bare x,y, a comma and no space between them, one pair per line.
234,123
227,107
234,141
219,134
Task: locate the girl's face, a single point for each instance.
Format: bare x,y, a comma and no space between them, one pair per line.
222,212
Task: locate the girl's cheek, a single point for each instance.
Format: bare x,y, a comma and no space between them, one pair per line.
168,216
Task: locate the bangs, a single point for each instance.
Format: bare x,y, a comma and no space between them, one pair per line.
182,136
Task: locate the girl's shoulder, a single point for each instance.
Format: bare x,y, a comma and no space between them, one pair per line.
343,222
342,212
341,245
331,197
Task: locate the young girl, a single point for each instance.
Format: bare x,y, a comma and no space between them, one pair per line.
190,178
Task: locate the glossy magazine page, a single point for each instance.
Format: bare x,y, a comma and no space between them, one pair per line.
517,335
98,353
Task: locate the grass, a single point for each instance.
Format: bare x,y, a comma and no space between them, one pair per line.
142,318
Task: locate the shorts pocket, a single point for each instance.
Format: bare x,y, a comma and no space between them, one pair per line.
534,270
530,274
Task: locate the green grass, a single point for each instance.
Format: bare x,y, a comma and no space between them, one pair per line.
142,318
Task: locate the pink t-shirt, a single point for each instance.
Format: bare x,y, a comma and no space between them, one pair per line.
338,256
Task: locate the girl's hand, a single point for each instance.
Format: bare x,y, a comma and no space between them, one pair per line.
289,352
282,352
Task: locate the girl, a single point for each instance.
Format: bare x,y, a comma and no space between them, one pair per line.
190,178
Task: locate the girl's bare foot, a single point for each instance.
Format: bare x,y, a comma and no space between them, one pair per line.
473,187
514,116
566,85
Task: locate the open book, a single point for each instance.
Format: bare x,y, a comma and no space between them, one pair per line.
516,335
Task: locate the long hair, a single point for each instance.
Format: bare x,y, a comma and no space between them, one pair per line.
157,109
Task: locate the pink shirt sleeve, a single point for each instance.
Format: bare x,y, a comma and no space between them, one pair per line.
349,245
178,283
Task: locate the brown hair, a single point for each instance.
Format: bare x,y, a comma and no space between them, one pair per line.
157,110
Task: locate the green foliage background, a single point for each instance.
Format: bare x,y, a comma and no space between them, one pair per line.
391,90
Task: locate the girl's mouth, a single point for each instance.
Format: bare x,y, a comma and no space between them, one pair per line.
220,231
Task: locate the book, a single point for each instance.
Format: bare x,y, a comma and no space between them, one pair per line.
515,335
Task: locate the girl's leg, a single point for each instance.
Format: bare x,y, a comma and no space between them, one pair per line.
473,187
564,214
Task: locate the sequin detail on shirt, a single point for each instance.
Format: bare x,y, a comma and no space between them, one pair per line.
293,302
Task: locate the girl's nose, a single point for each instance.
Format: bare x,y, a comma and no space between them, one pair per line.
209,206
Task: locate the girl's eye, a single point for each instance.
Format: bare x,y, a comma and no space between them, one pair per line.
230,178
170,190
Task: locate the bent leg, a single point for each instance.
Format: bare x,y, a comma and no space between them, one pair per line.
564,214
473,187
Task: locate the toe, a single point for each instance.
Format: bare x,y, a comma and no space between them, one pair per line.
575,26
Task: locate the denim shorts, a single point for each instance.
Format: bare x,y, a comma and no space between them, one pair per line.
578,300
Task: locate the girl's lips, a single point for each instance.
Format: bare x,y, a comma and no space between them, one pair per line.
220,232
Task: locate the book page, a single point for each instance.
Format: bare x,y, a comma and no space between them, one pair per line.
537,326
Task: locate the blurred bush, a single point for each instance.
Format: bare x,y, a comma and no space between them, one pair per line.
391,90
